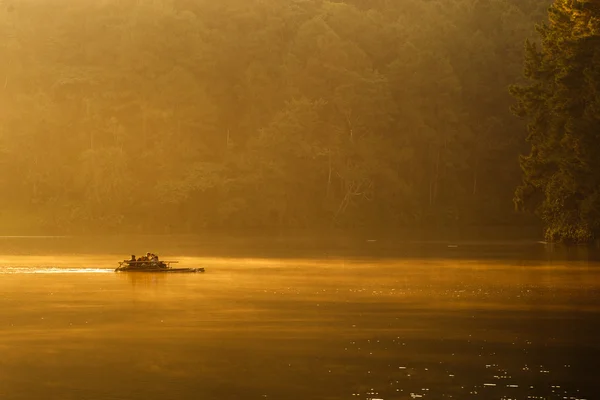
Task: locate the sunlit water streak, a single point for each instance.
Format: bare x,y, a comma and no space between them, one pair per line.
52,270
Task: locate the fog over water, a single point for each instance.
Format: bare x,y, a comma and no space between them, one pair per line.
333,327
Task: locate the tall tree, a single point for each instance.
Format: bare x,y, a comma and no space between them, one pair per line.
561,102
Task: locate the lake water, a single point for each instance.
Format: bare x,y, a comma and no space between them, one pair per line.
434,321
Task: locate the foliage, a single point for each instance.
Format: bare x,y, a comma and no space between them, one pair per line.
560,101
181,115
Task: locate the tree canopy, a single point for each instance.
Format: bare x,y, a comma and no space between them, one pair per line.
183,115
561,103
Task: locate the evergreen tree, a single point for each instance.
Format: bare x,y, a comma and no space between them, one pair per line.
561,102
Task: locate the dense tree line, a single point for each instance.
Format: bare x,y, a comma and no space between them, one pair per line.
561,102
180,115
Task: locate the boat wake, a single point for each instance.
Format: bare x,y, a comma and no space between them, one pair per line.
52,270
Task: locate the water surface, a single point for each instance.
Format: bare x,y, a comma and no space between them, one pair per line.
442,326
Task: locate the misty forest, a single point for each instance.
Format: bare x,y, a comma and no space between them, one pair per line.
176,116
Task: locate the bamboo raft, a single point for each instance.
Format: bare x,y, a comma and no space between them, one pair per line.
153,266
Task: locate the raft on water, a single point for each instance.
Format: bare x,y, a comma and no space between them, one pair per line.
152,266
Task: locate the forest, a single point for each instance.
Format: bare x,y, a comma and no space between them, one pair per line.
180,116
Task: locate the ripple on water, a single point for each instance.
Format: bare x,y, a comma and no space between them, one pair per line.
51,270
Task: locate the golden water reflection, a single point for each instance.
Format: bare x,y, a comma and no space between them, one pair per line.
295,329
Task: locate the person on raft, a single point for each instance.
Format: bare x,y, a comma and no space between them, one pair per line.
141,261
